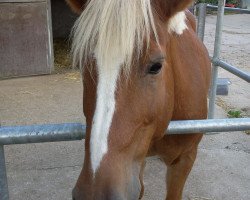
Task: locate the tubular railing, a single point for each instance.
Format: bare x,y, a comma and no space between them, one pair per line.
216,61
74,131
70,131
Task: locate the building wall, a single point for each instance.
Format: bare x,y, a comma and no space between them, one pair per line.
25,38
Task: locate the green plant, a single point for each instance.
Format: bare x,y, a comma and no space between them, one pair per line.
234,114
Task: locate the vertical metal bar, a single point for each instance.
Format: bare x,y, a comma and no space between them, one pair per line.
4,194
50,37
217,47
202,11
192,8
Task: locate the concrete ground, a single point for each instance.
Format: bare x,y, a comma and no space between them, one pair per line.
49,171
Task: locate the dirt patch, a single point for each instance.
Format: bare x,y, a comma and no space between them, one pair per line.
73,76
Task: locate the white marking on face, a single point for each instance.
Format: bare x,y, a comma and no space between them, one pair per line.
177,23
104,111
113,31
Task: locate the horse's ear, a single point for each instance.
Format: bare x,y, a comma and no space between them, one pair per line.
77,5
171,7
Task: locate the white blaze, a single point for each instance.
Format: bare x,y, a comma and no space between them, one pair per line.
104,111
177,23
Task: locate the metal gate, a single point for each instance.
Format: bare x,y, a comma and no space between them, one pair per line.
71,131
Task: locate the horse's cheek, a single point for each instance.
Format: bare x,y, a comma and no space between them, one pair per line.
164,106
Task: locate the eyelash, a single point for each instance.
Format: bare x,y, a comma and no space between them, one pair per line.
155,68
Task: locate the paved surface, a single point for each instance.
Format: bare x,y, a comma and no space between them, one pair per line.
235,50
49,171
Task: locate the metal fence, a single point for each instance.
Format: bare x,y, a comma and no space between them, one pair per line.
217,62
66,132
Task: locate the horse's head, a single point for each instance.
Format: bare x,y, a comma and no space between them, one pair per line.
122,47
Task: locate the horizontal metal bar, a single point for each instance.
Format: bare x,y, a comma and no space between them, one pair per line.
236,10
209,125
234,70
41,133
76,131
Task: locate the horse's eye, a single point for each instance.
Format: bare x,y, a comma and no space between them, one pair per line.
155,68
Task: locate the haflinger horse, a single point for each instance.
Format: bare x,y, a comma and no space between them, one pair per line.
142,66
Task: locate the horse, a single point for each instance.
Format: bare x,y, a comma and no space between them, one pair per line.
142,66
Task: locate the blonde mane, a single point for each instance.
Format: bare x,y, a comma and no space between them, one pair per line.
112,29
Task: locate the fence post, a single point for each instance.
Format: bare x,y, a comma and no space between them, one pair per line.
217,46
202,11
4,194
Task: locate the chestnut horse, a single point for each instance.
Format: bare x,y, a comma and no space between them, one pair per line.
142,66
